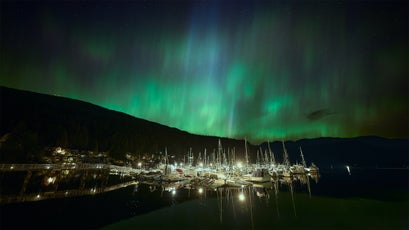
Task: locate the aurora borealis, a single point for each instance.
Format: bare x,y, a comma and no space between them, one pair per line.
262,70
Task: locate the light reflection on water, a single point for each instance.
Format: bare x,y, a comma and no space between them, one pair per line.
337,197
227,195
273,205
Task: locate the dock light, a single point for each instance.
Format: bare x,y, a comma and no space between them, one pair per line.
50,180
241,197
38,196
11,167
139,164
200,190
239,165
348,169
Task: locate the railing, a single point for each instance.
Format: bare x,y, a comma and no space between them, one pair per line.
63,193
65,166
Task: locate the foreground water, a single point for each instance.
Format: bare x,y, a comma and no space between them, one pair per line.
366,199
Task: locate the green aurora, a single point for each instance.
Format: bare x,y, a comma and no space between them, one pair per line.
265,71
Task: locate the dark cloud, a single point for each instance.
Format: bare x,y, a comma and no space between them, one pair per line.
318,114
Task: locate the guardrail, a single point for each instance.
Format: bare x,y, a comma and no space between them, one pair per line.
63,193
65,166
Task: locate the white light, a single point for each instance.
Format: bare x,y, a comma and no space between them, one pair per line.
239,165
50,180
200,190
173,192
201,164
348,169
139,164
38,196
11,167
241,197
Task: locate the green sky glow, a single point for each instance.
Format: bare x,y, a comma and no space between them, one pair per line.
261,71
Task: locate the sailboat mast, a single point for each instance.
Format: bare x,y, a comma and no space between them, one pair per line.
219,154
265,157
166,161
302,158
272,158
247,156
190,157
261,160
258,160
286,160
199,159
205,159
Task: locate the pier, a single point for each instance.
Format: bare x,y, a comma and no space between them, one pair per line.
63,193
65,166
52,175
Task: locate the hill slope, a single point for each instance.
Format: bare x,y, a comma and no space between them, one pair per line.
31,121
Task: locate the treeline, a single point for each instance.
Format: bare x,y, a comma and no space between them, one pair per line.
31,121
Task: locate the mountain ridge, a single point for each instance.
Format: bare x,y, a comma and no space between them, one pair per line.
47,120
32,121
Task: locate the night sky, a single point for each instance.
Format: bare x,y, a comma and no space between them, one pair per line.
262,70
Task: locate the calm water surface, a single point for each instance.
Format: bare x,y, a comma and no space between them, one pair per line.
366,199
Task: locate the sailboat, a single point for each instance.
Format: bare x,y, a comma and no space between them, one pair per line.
283,170
299,168
259,175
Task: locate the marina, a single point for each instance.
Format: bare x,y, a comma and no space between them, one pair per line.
210,172
217,190
337,201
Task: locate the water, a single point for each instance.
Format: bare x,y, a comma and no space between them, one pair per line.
366,199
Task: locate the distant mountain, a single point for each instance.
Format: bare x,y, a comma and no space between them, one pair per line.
32,121
335,153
